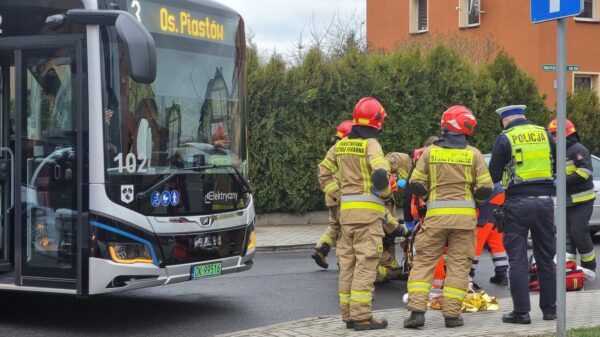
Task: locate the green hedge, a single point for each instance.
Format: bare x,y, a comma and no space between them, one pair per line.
294,110
583,108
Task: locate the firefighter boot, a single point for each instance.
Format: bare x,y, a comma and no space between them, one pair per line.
415,320
453,322
320,254
370,324
499,279
589,268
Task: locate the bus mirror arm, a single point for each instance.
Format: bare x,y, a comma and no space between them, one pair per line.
139,44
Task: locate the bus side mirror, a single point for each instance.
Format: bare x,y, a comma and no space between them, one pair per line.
139,44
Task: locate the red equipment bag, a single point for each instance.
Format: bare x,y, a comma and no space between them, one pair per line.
574,281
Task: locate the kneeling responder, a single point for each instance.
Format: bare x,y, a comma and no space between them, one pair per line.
580,200
364,185
330,237
487,233
388,267
450,176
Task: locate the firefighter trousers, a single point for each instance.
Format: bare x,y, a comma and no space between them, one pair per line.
332,232
359,250
490,235
579,239
429,246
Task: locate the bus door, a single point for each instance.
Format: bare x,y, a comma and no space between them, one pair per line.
41,165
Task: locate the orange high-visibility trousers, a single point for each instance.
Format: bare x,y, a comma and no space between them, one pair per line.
490,235
439,274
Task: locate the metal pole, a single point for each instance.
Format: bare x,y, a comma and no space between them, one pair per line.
560,218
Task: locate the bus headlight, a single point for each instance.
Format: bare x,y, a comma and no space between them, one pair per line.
251,242
129,252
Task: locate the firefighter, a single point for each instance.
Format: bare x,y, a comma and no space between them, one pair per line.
522,158
364,184
329,238
451,176
580,200
388,267
487,233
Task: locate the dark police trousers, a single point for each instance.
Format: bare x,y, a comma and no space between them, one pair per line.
535,214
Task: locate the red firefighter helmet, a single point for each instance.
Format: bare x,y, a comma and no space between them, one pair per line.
369,112
459,119
417,154
570,127
343,129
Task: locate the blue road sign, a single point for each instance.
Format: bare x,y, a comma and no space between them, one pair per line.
155,199
165,198
546,10
174,198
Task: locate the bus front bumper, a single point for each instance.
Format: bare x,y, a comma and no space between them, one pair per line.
107,276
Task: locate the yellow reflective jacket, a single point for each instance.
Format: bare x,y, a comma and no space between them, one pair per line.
451,178
353,160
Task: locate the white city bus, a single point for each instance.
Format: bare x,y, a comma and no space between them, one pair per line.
123,144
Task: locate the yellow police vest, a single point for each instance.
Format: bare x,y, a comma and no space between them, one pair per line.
531,155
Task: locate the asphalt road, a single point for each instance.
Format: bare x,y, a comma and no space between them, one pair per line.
281,287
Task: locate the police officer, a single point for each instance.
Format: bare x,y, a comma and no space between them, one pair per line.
329,238
580,200
522,160
363,185
451,176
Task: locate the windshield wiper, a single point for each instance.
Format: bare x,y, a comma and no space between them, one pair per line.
140,196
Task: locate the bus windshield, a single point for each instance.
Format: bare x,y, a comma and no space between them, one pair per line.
193,115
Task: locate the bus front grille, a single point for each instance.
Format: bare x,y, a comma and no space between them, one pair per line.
205,246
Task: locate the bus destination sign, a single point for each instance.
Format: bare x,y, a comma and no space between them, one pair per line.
169,20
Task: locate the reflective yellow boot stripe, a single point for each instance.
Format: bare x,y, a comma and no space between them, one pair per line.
588,257
418,287
455,293
327,239
361,296
344,298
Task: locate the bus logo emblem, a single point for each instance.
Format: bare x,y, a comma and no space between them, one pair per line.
206,222
127,193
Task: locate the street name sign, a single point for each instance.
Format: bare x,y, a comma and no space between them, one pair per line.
553,67
546,10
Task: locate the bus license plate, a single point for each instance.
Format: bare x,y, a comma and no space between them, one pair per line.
206,270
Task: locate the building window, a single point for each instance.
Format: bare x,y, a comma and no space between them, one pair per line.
586,81
589,12
469,14
418,16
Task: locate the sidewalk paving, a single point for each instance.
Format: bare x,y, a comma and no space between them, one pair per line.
287,237
583,310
